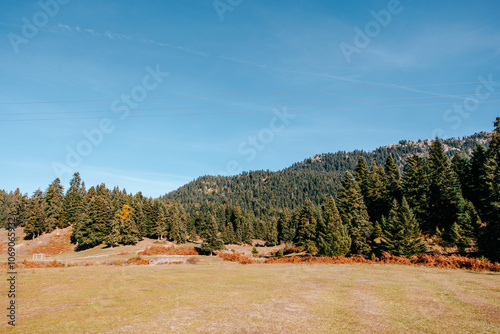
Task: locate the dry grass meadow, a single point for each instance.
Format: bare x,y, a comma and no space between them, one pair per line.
225,297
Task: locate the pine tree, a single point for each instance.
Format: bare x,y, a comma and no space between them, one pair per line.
306,225
401,235
73,207
35,215
464,231
212,241
461,166
476,187
272,234
176,220
15,209
333,238
158,219
489,238
362,176
377,193
444,191
54,199
285,231
416,186
393,180
353,213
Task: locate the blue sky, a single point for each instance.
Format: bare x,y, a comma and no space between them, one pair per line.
250,84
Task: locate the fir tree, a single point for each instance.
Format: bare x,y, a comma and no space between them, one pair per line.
489,238
35,215
444,191
377,193
54,201
476,187
401,235
353,213
416,186
306,225
393,180
73,207
333,238
285,231
362,173
158,219
176,219
212,241
464,231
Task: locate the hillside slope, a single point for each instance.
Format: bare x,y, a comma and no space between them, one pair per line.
314,178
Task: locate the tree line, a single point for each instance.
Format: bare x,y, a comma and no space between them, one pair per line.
372,208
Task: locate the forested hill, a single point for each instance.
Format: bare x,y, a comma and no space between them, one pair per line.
313,178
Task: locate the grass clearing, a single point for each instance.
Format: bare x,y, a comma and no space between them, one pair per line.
226,297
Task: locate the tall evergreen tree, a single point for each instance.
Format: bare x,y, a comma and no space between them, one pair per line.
461,166
176,219
285,231
73,206
353,213
489,238
444,191
393,180
377,194
54,198
401,235
362,176
333,237
306,225
416,186
15,209
35,215
475,185
464,231
212,241
159,219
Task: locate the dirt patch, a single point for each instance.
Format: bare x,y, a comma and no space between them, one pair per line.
54,243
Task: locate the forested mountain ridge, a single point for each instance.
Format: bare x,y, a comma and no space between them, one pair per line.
314,178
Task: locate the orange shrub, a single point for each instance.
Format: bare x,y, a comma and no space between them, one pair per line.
236,257
170,250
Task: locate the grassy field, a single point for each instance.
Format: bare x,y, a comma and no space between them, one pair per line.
224,297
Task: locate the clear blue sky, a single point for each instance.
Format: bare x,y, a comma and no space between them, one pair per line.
217,59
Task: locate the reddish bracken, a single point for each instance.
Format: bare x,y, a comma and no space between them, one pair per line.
438,261
236,257
170,250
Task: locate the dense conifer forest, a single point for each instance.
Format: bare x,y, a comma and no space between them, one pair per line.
344,203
